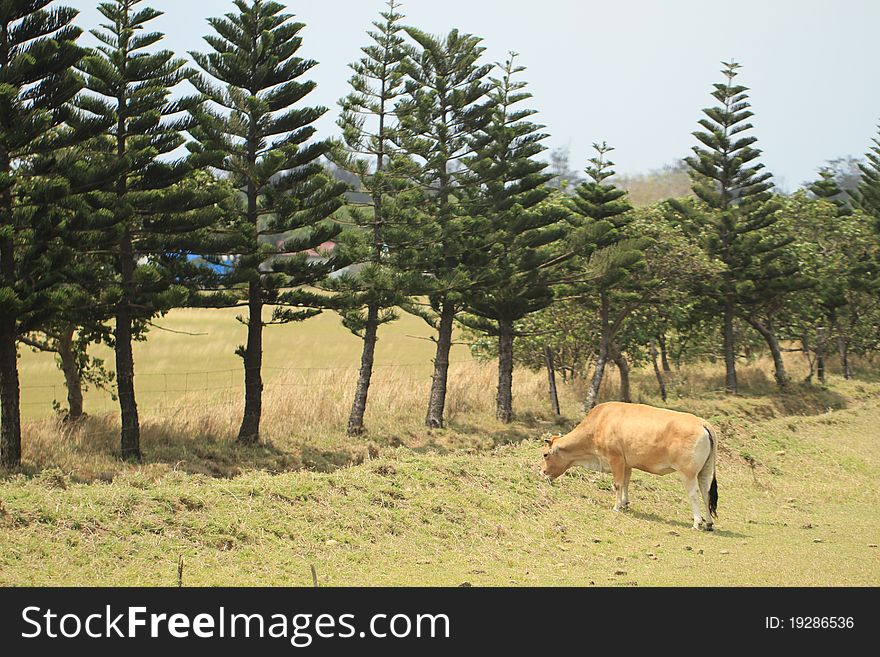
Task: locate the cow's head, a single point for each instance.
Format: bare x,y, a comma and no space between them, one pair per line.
555,460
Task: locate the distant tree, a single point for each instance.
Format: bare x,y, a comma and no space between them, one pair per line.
839,255
659,292
735,220
254,129
38,51
518,229
446,105
80,369
564,177
146,215
846,172
368,297
566,327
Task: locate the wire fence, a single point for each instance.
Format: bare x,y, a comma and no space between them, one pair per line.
169,392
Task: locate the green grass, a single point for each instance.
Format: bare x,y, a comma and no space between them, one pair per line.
200,357
403,505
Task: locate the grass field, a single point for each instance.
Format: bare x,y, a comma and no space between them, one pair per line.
405,506
194,351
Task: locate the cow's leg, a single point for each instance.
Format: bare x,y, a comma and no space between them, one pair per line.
693,491
705,481
625,497
618,471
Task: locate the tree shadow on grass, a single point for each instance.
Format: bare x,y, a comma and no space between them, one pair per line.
524,428
89,451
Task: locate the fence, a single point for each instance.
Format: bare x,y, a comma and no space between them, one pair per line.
170,392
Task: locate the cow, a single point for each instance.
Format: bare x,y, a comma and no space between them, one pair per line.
616,437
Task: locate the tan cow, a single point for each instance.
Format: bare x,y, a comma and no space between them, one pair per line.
616,437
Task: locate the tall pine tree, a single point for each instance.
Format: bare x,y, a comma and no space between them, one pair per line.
255,129
518,226
385,221
606,256
447,105
148,217
735,224
37,53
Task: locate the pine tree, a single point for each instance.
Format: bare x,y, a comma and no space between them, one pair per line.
37,52
446,105
386,221
608,256
735,224
148,216
867,196
82,319
255,129
826,188
518,226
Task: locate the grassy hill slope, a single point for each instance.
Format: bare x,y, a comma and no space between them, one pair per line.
798,506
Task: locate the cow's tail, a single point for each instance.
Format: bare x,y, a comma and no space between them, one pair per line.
710,463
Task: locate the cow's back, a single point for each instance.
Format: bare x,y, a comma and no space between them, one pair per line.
648,438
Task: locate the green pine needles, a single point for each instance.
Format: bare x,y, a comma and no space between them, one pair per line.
38,50
146,215
508,194
386,224
256,130
735,222
447,103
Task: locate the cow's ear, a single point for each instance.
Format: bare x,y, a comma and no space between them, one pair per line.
548,440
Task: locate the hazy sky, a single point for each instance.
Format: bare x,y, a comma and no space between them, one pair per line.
635,73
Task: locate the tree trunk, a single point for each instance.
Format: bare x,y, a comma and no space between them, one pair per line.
729,348
664,357
602,358
437,401
766,331
249,433
821,352
596,381
10,402
72,375
843,347
504,399
660,381
131,432
623,369
130,439
359,406
551,380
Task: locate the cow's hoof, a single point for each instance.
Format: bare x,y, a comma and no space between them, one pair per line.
706,526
